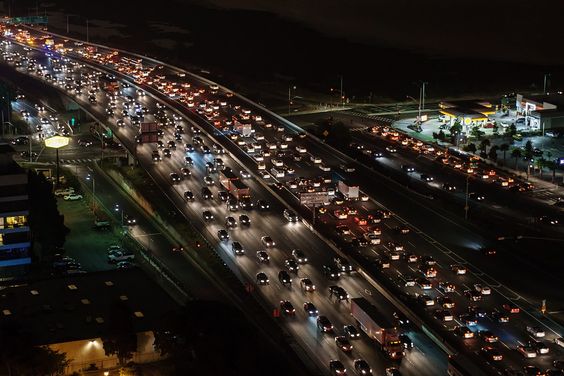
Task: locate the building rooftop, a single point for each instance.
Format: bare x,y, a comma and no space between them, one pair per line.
555,99
77,307
468,108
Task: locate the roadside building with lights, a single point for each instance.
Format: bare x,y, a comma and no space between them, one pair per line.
467,112
15,241
542,112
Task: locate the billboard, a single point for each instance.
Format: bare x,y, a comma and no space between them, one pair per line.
314,198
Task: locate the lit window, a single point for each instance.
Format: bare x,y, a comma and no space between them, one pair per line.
139,314
16,221
85,301
72,287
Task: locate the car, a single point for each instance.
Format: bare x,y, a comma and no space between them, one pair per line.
407,168
338,292
284,278
244,220
351,332
291,265
185,172
331,272
458,269
343,344
337,368
426,300
324,324
208,216
446,287
533,371
84,143
287,308
262,279
527,351
64,192
188,161
208,180
464,332
223,235
443,315
488,336
362,367
233,205
449,187
307,285
167,153
407,342
446,302
391,149
540,347
299,256
491,354
174,178
372,238
468,319
310,309
343,264
245,174
21,140
72,197
473,295
487,251
188,196
392,371
290,215
230,222
347,167
129,220
476,196
424,283
262,205
511,308
118,256
267,241
482,289
426,178
263,257
498,316
237,248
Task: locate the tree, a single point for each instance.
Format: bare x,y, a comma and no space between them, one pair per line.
492,154
511,130
484,145
121,339
528,150
477,132
552,166
47,224
21,357
504,148
455,129
540,164
495,128
471,148
516,153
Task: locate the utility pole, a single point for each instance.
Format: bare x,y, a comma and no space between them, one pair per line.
342,99
466,207
68,31
290,97
545,86
87,39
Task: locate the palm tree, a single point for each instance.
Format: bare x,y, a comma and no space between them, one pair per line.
516,153
484,145
541,162
504,148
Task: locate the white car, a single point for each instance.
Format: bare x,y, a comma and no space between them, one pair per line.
72,197
372,238
64,192
301,149
277,162
245,174
484,290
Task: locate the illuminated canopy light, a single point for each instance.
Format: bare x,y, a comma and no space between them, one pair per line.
57,142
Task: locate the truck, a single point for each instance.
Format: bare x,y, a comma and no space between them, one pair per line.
233,185
349,190
378,327
109,84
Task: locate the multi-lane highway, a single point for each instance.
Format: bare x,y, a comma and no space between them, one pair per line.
302,161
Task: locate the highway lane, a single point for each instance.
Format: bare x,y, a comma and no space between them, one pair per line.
305,238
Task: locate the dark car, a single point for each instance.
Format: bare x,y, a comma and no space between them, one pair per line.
174,178
343,343
206,193
237,248
362,368
351,331
263,205
331,272
291,265
324,324
262,279
338,292
310,309
337,368
208,216
189,196
287,308
284,278
223,235
244,220
263,257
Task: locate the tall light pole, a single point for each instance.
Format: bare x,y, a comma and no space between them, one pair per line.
290,87
91,177
545,86
342,98
87,38
57,142
466,207
68,30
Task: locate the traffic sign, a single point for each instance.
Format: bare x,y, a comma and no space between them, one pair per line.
314,198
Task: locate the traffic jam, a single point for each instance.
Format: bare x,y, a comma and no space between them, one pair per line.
435,283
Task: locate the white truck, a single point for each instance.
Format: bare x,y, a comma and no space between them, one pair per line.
378,327
349,190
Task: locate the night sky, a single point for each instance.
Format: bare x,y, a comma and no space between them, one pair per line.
517,30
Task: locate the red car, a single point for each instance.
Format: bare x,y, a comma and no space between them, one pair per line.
361,221
511,308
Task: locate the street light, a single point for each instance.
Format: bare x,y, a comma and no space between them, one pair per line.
290,96
57,142
117,208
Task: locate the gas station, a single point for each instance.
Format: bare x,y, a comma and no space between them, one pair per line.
467,112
